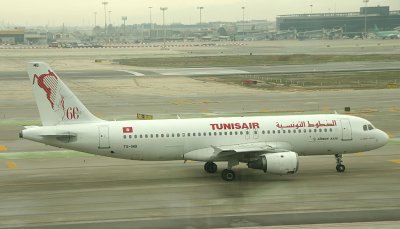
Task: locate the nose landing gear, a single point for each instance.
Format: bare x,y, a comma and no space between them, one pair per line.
340,168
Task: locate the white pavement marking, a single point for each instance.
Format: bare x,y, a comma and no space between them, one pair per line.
132,72
198,71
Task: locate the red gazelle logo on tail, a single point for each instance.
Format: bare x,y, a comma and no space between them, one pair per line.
49,82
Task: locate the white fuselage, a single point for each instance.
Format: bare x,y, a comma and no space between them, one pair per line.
172,139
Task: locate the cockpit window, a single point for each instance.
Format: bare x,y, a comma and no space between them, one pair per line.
370,127
365,127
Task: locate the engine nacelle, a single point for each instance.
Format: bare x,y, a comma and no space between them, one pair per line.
276,163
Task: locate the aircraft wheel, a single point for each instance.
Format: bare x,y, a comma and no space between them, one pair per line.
340,168
210,167
228,175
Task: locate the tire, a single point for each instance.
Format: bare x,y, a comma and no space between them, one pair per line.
340,168
228,175
210,167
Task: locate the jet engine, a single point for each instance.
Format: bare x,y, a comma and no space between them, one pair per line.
276,163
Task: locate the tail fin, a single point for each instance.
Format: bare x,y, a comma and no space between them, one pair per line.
55,101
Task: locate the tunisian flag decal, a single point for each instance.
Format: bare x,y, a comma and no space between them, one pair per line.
127,129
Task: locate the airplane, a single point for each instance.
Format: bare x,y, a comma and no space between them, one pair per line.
386,34
268,143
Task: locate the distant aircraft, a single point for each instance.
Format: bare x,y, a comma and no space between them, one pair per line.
394,34
268,143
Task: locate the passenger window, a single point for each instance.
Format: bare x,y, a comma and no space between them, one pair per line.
247,132
167,135
279,131
283,131
289,131
263,132
130,136
124,136
230,133
273,131
199,135
255,132
141,136
236,133
156,135
330,129
162,135
241,132
309,130
135,136
194,134
151,135
183,134
204,134
178,135
304,130
294,131
209,133
325,130
188,134
320,130
215,133
220,133
315,130
269,132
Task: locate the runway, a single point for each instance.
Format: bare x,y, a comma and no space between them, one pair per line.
126,71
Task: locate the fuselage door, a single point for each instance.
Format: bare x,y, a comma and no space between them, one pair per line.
104,140
346,130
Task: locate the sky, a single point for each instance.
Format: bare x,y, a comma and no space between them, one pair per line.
81,12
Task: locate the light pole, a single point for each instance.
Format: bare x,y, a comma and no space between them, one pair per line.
95,19
311,9
243,21
365,18
200,8
109,17
150,16
124,18
105,16
163,9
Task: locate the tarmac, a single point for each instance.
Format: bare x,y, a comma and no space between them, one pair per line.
98,192
60,189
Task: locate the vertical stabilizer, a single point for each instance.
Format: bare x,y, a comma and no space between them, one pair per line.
56,102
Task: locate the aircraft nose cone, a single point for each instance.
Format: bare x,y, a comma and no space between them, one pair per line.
383,138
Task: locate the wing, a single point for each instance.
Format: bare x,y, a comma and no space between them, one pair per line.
243,152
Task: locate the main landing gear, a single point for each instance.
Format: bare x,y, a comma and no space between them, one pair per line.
210,167
339,166
227,174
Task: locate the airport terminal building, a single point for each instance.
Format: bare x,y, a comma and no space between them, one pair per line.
351,23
